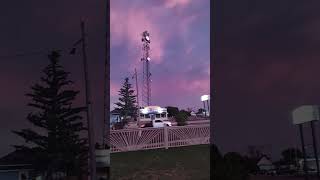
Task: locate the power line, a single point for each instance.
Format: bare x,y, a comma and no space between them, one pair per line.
39,52
32,53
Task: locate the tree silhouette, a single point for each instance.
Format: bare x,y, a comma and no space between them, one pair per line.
235,166
217,163
172,111
56,142
290,155
181,118
126,105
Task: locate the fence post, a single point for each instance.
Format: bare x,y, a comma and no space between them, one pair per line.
166,139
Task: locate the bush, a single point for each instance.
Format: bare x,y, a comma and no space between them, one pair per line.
119,125
172,111
186,112
181,118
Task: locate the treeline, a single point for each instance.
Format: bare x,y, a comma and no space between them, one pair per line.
232,165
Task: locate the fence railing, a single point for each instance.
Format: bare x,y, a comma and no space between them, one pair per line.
153,138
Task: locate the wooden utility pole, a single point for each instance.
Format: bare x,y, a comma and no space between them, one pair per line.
106,109
92,157
137,89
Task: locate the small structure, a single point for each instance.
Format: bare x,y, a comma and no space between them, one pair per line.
192,113
149,113
114,118
204,99
15,166
265,164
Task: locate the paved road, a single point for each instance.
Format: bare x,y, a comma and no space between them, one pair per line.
280,178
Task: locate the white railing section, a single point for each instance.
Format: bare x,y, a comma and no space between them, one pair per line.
153,138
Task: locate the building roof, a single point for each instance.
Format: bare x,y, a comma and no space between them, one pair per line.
264,160
16,157
17,167
115,111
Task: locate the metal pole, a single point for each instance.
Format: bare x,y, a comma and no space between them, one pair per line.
315,150
204,107
136,76
208,107
92,157
304,153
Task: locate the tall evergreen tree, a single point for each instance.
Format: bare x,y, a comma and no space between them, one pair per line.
56,143
127,100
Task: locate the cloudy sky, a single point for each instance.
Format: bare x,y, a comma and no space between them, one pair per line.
266,64
180,43
180,51
266,60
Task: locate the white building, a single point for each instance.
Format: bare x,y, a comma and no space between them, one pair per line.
150,113
265,164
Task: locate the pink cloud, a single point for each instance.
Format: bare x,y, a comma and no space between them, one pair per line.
189,49
178,85
187,22
114,88
176,3
127,27
128,24
179,91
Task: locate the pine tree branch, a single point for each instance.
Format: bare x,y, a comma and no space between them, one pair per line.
32,137
37,120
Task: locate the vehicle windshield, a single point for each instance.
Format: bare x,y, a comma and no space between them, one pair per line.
157,121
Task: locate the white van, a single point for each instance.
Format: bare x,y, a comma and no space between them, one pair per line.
157,123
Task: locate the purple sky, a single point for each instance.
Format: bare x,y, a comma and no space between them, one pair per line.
35,25
180,43
266,60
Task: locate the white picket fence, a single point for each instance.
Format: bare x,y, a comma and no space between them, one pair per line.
153,138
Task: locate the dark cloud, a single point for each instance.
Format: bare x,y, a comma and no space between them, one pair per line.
35,26
265,66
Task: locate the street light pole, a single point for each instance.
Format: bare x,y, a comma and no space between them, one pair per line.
208,107
106,109
204,108
92,157
315,150
305,167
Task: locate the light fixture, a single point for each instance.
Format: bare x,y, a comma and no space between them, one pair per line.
146,36
205,97
148,58
144,111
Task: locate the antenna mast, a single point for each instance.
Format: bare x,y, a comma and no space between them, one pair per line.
146,81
